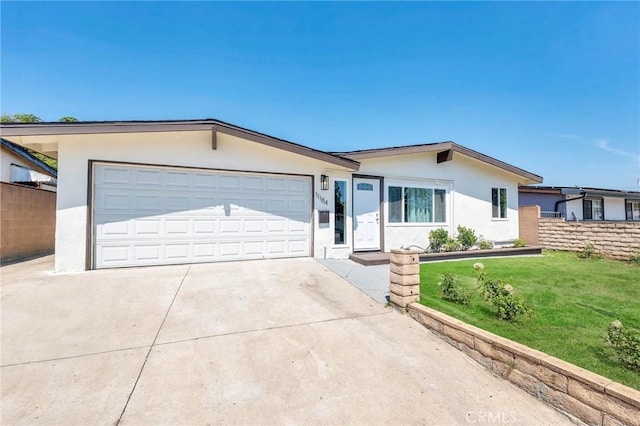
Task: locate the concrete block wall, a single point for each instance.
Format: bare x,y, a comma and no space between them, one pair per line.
27,221
588,397
404,269
616,240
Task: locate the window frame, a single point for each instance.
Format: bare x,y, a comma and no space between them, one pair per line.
591,200
501,215
630,202
345,234
402,202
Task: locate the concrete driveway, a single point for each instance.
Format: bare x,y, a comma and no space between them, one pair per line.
261,342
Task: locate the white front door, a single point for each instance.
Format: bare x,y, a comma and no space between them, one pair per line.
366,214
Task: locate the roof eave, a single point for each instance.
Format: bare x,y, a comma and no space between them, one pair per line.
80,128
442,146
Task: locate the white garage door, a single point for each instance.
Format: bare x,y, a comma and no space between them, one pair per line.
160,215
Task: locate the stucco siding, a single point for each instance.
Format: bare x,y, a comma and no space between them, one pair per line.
469,184
614,208
188,149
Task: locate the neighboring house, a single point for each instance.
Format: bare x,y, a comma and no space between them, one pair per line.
574,203
27,203
163,192
18,165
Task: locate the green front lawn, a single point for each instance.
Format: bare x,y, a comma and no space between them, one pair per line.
574,301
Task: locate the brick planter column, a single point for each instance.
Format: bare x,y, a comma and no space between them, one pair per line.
404,287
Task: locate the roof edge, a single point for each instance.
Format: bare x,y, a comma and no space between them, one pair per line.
440,146
98,127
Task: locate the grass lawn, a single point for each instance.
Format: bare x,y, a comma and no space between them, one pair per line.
574,301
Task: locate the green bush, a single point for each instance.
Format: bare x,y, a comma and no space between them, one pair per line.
635,257
501,295
589,252
452,245
519,243
451,291
625,344
437,239
466,237
485,244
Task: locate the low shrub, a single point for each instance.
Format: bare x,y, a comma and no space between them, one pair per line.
437,239
625,344
452,245
519,243
635,257
589,252
501,296
466,237
485,244
451,291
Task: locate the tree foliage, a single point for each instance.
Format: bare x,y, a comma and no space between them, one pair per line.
20,118
32,118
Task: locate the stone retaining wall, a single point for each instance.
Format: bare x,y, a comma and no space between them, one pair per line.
616,240
593,399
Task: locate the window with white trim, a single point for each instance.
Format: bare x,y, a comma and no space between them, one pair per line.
416,205
632,208
499,203
593,209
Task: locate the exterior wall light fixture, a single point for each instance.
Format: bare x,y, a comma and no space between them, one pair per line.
324,182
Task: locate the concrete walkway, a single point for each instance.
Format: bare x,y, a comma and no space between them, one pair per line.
372,280
263,342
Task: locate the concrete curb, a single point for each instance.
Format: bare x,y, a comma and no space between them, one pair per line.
591,398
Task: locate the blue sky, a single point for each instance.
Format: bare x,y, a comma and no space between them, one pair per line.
551,87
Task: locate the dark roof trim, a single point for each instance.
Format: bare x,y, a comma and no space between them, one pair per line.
440,146
22,152
601,192
96,127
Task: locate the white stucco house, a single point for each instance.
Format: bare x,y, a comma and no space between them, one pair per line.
163,192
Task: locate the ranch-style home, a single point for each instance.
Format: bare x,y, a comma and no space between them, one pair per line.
164,192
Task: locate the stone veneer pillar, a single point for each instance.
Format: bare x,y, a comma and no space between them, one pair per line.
404,277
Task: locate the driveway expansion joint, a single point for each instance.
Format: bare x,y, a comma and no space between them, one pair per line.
152,345
254,330
62,358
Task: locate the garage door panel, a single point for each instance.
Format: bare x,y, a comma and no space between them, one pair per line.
154,215
147,178
177,252
204,227
115,175
297,246
114,202
147,227
230,182
178,180
117,255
